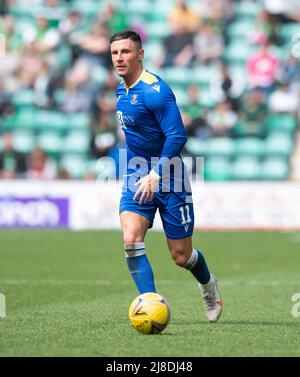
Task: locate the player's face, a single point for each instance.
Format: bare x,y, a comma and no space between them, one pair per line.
126,57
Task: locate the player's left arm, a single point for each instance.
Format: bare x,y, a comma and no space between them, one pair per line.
168,116
163,104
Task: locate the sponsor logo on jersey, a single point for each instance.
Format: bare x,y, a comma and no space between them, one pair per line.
186,228
156,87
125,120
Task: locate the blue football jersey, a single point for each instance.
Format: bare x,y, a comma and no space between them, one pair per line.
149,116
151,121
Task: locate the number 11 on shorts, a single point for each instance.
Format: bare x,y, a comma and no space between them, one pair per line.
2,305
185,219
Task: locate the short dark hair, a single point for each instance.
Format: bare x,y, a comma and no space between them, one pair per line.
127,34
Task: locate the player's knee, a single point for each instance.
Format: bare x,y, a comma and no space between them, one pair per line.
131,237
180,258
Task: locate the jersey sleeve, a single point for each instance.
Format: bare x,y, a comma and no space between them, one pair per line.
162,103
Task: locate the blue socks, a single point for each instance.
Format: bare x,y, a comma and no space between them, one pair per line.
198,267
141,270
139,267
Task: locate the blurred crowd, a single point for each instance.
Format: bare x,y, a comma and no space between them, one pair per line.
62,57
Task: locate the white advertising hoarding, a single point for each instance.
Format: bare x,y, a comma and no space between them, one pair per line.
94,205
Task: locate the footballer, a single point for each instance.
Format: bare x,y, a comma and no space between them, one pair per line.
154,132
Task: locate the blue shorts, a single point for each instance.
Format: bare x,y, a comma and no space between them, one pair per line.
175,208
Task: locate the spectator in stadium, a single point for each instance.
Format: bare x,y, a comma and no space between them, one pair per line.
194,108
253,105
94,46
184,17
151,121
198,127
14,46
13,38
40,166
31,68
72,25
177,48
5,101
284,11
55,11
222,119
113,19
104,107
252,112
289,71
103,142
42,38
194,114
261,68
63,174
12,163
284,100
218,12
226,86
104,136
265,29
80,89
208,44
89,176
4,7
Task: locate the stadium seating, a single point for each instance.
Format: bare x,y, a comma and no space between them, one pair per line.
281,122
75,165
196,147
88,8
245,168
246,9
221,147
50,142
217,169
23,98
23,140
77,142
50,119
250,146
255,150
278,143
238,52
274,168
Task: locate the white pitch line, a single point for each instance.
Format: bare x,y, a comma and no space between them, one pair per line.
54,282
272,283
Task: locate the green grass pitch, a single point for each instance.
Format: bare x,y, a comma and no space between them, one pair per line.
68,293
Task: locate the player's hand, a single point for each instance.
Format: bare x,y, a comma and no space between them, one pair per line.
147,187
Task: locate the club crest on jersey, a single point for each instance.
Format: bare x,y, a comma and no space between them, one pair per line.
134,99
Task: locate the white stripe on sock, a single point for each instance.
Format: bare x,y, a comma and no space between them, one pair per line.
135,249
190,264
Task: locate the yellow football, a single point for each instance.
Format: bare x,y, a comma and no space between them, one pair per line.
149,313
